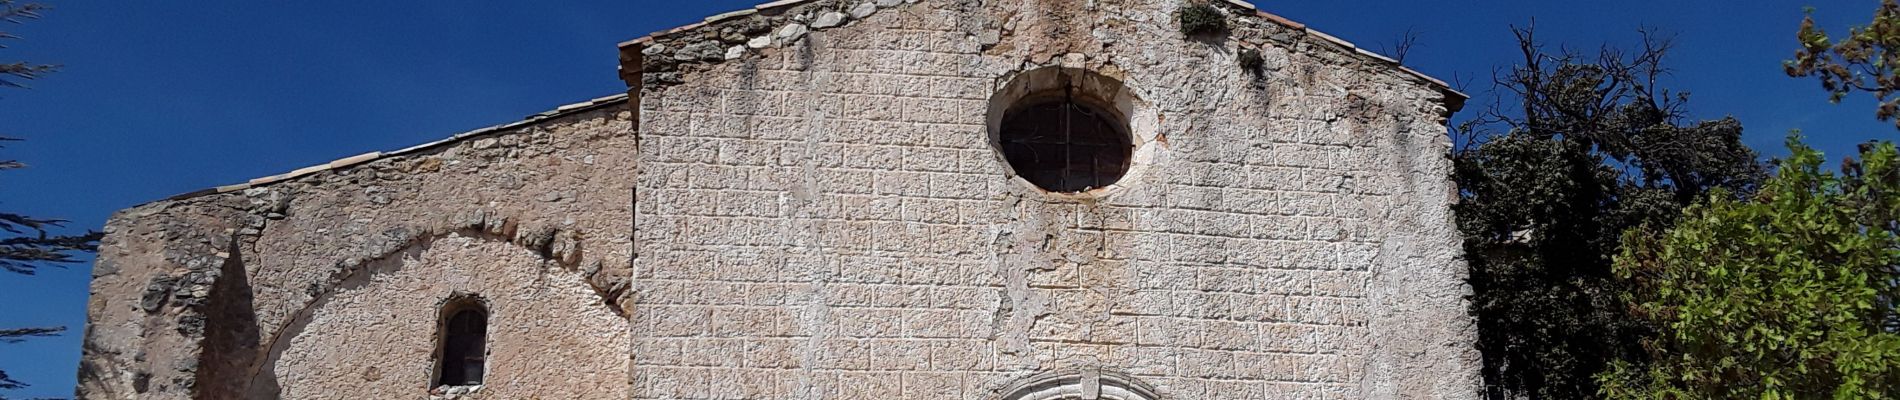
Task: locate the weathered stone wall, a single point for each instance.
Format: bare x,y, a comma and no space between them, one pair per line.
549,335
326,284
809,207
823,216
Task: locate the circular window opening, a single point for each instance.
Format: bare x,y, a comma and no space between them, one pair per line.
1065,142
1071,132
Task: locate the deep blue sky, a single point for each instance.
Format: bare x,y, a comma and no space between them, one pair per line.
160,98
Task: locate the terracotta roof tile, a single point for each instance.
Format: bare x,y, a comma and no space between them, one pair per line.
1376,55
778,4
730,15
1331,38
1276,18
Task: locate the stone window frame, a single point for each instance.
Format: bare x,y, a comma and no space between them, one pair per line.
1057,132
1079,384
1117,95
447,309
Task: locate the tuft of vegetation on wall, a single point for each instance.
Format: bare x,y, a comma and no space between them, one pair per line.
1202,19
1252,62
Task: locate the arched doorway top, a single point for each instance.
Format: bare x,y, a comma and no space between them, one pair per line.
1078,384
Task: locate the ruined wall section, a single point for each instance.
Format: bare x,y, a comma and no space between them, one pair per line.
822,217
146,321
314,284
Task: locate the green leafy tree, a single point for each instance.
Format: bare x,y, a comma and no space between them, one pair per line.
1591,146
27,243
1790,294
1862,61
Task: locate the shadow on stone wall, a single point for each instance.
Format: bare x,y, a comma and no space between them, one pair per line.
231,334
260,373
238,362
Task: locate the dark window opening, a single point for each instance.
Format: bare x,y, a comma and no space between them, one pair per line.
464,346
1062,143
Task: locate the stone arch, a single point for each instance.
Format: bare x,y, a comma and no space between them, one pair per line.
438,257
1081,384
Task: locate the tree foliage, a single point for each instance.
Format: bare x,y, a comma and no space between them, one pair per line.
21,334
1591,146
1791,294
26,242
11,73
28,245
1862,61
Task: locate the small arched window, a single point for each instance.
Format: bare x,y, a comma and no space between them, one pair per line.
464,343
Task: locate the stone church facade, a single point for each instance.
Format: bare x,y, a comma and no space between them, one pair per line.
817,199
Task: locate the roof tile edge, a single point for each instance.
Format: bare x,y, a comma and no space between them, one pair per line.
365,158
1240,4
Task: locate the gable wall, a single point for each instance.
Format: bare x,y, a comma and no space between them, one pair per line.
827,220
